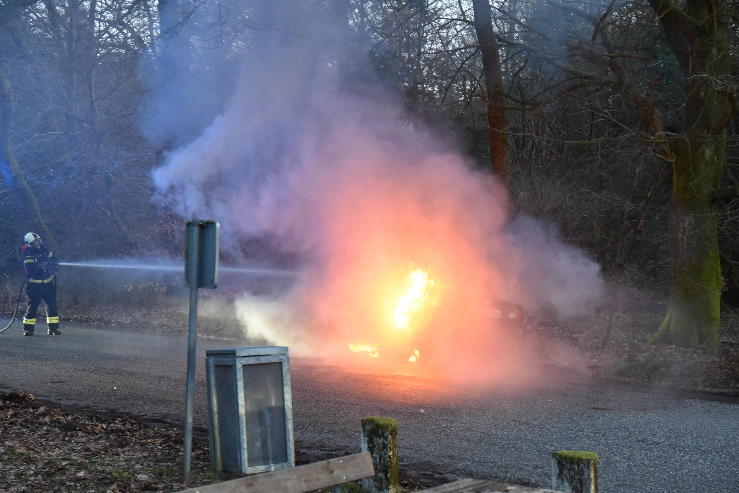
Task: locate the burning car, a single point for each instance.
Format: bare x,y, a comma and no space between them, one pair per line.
425,319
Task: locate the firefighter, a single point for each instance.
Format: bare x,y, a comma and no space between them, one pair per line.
40,267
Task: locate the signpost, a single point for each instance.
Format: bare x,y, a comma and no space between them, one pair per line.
201,271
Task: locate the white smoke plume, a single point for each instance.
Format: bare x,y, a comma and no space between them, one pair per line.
555,275
340,175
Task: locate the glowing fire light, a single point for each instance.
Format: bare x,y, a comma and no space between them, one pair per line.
414,357
370,350
412,301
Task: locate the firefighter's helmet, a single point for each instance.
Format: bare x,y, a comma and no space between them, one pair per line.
31,237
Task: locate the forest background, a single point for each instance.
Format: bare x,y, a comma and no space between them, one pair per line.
615,121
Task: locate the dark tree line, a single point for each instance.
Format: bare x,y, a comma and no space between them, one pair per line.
614,119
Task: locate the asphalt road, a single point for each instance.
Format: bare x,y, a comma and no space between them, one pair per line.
647,441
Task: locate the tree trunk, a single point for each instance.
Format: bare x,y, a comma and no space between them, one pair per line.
693,315
497,124
699,38
7,103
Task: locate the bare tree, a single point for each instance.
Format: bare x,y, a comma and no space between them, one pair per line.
699,38
7,109
497,123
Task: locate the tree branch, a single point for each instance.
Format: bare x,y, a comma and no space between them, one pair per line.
679,29
10,8
728,192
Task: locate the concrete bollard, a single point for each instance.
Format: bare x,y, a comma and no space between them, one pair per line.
380,438
575,471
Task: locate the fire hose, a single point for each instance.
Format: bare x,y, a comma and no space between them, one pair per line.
15,311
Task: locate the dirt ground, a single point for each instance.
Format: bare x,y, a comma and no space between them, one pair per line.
614,341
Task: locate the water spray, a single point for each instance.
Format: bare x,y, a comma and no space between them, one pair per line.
159,267
100,265
167,267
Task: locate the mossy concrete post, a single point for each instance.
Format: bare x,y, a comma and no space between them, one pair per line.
575,471
380,439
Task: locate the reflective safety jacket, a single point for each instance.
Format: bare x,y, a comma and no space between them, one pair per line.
39,264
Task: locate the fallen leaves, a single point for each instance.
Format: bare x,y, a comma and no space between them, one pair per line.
45,448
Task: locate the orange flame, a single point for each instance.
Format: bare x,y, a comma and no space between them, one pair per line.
415,356
372,351
414,298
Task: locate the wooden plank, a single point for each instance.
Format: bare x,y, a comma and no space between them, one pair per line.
466,484
528,489
298,479
469,485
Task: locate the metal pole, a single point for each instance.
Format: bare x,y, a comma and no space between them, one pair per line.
191,362
192,330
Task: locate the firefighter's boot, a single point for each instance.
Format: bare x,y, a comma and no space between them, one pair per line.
53,323
28,325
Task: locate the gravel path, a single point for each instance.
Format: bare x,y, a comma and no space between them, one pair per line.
647,441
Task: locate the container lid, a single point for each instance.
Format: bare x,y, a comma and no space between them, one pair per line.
238,352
